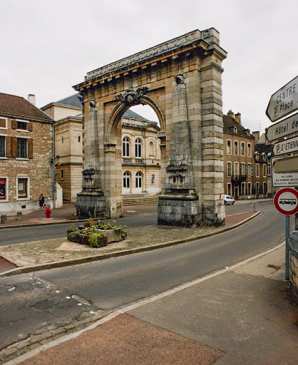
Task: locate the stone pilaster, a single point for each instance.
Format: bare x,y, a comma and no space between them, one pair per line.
90,201
179,205
212,141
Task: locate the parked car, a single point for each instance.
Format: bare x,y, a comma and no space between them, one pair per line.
229,200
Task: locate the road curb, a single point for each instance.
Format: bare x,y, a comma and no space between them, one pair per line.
83,260
44,224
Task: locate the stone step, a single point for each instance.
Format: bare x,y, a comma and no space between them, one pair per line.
140,200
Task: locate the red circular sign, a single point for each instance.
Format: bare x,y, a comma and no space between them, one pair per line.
286,201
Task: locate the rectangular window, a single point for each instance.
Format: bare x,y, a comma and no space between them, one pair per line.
62,174
3,189
22,147
2,146
22,125
23,188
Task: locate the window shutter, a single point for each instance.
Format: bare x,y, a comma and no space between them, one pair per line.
30,148
8,147
2,123
14,147
30,127
14,124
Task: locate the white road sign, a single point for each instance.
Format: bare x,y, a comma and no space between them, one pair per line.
283,179
283,128
287,146
284,101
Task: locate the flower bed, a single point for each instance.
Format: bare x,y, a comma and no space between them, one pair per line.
97,233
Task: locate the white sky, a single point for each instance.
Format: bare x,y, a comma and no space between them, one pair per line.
48,46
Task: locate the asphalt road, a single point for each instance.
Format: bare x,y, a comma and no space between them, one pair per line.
36,303
133,217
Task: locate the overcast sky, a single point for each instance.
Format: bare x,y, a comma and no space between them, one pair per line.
49,46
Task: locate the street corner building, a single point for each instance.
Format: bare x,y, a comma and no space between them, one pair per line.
26,151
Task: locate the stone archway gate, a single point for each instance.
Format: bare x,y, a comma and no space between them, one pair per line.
181,80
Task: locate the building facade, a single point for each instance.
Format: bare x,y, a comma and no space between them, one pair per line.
26,152
140,150
67,114
140,155
239,146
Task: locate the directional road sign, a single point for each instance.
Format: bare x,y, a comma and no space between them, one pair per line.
282,179
285,165
283,128
287,146
284,101
286,201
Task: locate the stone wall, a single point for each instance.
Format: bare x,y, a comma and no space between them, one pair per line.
36,166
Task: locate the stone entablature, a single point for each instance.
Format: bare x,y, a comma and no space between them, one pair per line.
203,40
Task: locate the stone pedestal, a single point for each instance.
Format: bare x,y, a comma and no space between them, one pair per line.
91,205
179,210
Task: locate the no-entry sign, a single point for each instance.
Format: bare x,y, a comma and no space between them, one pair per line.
286,201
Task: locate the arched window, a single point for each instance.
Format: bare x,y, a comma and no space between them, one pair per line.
264,170
138,179
126,180
257,189
248,149
229,147
229,189
249,170
242,189
229,169
242,169
236,168
125,147
257,170
242,149
138,147
269,169
249,188
236,148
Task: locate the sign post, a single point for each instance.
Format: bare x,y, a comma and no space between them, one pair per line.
286,202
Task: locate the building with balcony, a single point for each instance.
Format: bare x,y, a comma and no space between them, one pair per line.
238,157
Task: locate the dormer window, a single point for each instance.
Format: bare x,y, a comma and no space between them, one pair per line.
235,129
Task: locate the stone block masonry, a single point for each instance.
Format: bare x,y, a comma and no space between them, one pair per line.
181,80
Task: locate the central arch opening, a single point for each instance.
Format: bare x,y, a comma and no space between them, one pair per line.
141,153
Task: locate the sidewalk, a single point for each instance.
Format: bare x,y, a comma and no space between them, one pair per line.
37,217
68,213
241,315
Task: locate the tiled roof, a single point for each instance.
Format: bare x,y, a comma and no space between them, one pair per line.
76,101
13,106
73,100
229,125
129,114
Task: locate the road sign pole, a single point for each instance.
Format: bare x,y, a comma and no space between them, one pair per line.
287,268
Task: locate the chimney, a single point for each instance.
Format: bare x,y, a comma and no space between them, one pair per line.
31,99
231,114
238,118
256,135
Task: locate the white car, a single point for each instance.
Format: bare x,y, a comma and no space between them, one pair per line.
228,200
